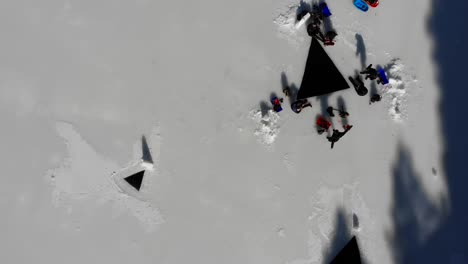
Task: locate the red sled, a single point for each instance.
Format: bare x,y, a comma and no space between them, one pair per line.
373,3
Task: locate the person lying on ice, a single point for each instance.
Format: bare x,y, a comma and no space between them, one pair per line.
337,135
371,73
300,104
297,105
276,102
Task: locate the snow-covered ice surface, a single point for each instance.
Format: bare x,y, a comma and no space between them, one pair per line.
86,175
92,92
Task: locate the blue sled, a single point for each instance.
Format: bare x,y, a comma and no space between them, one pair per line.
361,5
383,76
325,11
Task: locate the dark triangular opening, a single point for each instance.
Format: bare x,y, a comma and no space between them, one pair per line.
349,254
321,76
135,180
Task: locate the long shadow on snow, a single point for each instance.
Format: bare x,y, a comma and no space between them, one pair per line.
361,50
293,90
446,244
414,214
146,153
341,104
303,6
341,236
264,108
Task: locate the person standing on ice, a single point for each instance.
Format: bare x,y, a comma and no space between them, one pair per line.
337,135
371,73
375,98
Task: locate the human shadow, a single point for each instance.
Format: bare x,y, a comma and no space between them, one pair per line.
284,80
323,100
293,89
361,50
264,108
327,23
146,153
341,236
303,7
341,104
373,90
447,243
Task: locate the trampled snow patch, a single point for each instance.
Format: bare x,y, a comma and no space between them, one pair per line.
334,211
402,81
267,127
285,20
85,175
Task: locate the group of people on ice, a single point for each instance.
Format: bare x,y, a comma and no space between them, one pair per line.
315,18
314,28
322,124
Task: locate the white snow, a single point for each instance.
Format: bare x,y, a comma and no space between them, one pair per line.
82,82
84,174
402,81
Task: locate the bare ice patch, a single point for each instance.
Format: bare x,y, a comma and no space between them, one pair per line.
267,127
85,175
402,82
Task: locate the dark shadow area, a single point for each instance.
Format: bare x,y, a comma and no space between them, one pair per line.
284,80
361,50
355,221
340,238
146,153
414,215
293,90
303,7
273,95
341,104
264,108
135,180
327,23
373,89
448,243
